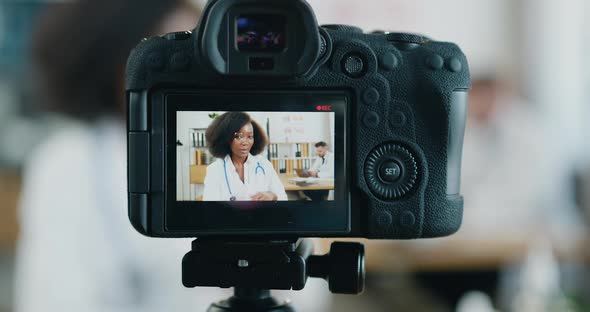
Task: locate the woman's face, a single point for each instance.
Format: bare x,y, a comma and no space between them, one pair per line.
243,141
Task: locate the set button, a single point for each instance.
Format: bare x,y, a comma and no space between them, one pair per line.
390,171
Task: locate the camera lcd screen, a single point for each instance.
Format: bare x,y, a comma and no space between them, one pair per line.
258,163
261,33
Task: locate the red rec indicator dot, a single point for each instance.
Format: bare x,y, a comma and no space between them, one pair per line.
324,108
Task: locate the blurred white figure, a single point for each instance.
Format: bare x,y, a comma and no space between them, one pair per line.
538,282
505,162
510,171
513,183
77,250
475,301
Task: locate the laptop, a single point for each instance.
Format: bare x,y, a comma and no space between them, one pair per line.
302,173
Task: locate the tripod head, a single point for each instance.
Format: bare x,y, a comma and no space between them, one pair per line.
255,267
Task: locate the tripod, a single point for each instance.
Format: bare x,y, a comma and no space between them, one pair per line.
254,268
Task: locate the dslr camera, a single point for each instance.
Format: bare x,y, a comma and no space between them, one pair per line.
261,124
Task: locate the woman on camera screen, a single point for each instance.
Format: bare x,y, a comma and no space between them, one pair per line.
240,172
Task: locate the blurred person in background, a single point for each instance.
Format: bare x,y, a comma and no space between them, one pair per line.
508,181
77,250
509,170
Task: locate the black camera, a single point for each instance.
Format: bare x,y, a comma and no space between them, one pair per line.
260,123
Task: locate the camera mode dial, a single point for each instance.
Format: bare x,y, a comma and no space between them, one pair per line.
390,171
406,37
342,27
406,41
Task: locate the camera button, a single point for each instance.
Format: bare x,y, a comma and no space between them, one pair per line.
388,61
390,171
371,119
454,65
398,119
371,96
384,218
408,219
435,62
353,65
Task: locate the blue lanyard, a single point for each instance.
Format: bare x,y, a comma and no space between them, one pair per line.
232,197
258,166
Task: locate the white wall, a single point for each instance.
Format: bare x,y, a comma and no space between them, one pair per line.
555,65
286,127
184,122
483,29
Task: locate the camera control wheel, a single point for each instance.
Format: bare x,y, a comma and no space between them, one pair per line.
406,37
390,171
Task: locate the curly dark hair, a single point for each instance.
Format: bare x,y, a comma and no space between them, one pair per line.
220,133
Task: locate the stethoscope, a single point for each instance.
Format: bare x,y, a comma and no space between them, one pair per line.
232,197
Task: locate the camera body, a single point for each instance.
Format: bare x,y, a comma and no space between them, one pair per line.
399,101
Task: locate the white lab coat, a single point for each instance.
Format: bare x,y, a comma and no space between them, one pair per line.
77,250
512,177
259,176
325,170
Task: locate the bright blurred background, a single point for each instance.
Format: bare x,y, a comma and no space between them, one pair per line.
524,245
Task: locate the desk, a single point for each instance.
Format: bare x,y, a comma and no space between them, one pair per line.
461,251
319,185
10,183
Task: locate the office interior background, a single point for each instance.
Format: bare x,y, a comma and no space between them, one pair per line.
291,145
524,244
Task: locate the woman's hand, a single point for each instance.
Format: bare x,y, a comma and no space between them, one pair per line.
264,196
